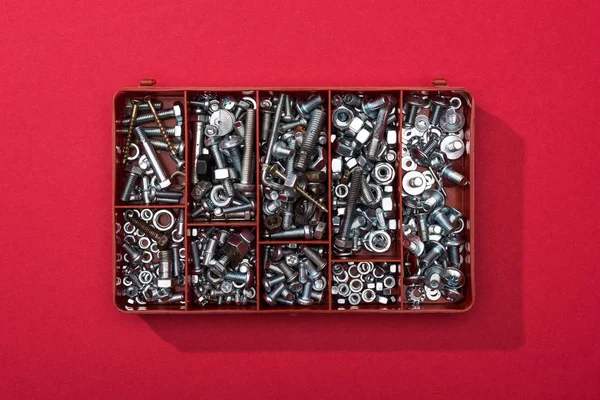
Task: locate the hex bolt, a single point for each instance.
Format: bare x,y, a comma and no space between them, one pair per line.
164,114
343,240
164,269
134,111
237,277
381,222
414,102
174,131
453,176
135,254
301,232
161,145
218,267
217,156
271,297
163,180
434,251
305,299
422,226
147,194
132,175
453,243
242,207
307,107
375,104
366,195
313,256
201,189
378,132
166,138
198,145
317,119
247,174
438,104
161,239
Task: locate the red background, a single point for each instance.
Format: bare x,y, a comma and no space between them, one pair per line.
533,69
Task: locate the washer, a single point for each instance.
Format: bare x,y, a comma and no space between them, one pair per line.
158,225
223,120
408,164
414,183
136,152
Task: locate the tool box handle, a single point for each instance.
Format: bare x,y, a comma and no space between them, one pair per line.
439,82
147,82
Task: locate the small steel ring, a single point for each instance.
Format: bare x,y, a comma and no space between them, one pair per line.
341,191
146,214
356,285
341,278
126,258
175,184
218,196
461,226
389,282
156,220
368,296
354,299
147,257
353,271
456,103
343,290
136,152
154,183
378,272
374,243
383,173
145,277
429,179
129,239
182,253
127,281
139,233
365,267
154,247
432,295
377,192
176,238
144,243
320,284
129,213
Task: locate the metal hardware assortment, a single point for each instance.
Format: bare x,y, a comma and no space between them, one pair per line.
432,142
363,170
223,266
364,283
152,257
223,170
294,275
146,179
294,167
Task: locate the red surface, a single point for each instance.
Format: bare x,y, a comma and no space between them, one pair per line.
533,69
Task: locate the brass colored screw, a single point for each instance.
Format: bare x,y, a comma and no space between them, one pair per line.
273,170
130,129
166,137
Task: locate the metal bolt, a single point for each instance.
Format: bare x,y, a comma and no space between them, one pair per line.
342,241
174,112
161,239
308,106
414,102
134,111
247,174
317,119
163,180
217,156
134,253
132,175
274,171
438,104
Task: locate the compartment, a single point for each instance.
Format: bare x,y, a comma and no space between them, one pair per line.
364,150
150,259
154,171
222,156
294,277
436,190
294,200
222,268
365,286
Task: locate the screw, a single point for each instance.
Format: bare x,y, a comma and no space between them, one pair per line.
134,111
317,119
422,226
305,299
378,131
304,231
434,251
438,104
343,241
274,128
232,145
164,269
174,131
174,112
267,117
313,256
415,102
271,297
308,106
453,243
217,156
172,149
442,220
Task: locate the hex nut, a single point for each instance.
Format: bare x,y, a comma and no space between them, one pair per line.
320,230
346,147
225,173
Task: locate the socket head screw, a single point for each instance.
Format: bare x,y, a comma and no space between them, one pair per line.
433,251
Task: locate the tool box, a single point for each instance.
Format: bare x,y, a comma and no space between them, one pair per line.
270,200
